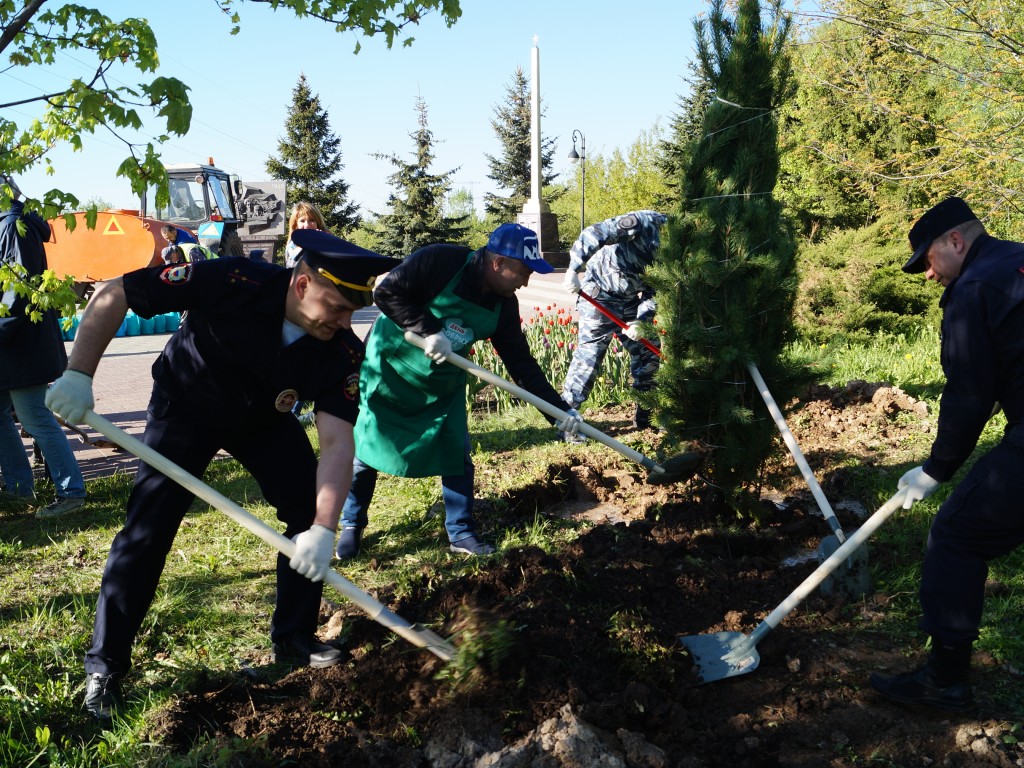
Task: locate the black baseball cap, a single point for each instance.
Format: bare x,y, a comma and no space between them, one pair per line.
935,222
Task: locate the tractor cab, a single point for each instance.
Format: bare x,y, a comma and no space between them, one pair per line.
203,201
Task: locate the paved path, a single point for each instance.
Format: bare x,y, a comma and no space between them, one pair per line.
123,380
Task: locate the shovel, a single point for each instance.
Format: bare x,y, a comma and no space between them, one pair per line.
675,469
416,634
728,654
853,576
617,320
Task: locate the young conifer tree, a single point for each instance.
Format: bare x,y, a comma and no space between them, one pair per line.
726,274
511,170
310,160
416,208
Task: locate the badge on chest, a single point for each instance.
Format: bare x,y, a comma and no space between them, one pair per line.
457,334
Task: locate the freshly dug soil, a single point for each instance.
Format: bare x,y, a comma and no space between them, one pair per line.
578,661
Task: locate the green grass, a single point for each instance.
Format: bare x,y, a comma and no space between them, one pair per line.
216,594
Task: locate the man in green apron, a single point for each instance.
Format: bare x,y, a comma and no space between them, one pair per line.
412,406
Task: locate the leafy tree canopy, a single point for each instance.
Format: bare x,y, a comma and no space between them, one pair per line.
91,103
905,102
624,181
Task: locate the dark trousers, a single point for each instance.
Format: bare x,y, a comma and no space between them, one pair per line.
982,519
274,448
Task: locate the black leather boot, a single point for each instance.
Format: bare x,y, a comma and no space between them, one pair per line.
940,683
641,418
306,651
103,695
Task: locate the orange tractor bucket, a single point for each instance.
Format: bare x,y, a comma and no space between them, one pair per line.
121,241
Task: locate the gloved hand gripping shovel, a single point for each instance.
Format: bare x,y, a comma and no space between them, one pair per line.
617,320
414,633
675,469
852,577
728,654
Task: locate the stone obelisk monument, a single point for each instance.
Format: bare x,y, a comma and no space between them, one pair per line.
536,215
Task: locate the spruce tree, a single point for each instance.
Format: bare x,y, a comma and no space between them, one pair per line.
310,160
726,274
512,169
416,215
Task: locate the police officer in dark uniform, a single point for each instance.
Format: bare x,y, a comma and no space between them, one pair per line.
983,360
258,337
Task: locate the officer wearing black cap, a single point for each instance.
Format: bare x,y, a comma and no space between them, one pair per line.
257,337
983,360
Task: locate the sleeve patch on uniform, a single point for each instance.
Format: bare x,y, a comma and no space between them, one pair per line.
352,386
628,221
176,274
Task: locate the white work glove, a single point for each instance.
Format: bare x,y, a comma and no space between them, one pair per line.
571,282
313,550
70,396
632,330
919,485
571,424
437,347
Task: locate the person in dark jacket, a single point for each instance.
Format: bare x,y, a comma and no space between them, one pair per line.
31,356
983,360
413,420
258,337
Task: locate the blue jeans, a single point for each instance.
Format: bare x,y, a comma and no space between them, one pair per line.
457,491
39,422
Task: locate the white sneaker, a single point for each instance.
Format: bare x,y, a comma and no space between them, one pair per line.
60,507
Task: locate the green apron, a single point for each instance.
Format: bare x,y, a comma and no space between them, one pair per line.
412,411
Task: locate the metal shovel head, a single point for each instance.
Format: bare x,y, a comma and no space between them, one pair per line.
721,655
675,470
852,579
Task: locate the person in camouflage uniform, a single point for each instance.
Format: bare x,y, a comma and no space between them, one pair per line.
613,256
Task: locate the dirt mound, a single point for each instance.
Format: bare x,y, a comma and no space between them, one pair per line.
578,659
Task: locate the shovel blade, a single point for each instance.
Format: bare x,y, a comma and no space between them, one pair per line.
721,655
852,579
676,469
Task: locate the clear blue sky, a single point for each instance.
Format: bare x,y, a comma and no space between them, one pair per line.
609,69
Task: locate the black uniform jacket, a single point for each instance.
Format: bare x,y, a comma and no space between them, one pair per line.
31,353
228,359
982,350
424,274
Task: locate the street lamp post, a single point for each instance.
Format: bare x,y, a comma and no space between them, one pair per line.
582,159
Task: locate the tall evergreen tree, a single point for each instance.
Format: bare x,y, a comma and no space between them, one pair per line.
684,130
726,275
416,215
310,161
512,169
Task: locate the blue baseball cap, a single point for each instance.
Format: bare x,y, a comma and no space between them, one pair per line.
515,241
